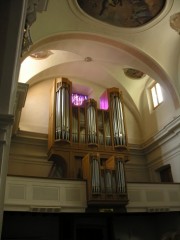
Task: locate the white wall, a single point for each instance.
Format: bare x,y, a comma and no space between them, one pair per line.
35,114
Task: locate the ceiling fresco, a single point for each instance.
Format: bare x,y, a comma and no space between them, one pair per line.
133,73
123,13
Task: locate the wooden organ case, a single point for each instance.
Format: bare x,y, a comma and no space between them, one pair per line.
90,143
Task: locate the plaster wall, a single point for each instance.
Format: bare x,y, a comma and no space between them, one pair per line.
75,20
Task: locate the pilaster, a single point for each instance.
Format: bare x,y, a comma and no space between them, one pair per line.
13,15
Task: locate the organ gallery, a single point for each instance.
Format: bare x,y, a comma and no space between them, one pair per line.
89,142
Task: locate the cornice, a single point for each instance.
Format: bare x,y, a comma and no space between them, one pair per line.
6,120
30,138
171,130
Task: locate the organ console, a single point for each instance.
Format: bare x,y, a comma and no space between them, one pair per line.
96,136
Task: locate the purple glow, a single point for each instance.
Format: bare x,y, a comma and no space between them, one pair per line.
78,99
104,104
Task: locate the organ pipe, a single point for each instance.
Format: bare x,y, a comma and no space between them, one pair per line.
108,179
117,119
107,128
95,175
62,111
75,125
121,185
91,122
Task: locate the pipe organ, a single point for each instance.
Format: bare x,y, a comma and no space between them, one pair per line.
62,123
90,133
105,179
91,110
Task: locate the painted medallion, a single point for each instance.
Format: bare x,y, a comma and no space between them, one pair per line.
123,13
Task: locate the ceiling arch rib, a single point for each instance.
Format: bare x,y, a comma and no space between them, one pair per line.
108,59
103,49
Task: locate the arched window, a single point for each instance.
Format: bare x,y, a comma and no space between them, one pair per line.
156,94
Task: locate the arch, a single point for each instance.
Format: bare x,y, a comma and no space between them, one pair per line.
134,57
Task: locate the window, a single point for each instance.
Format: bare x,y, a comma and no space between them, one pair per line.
78,99
165,173
156,93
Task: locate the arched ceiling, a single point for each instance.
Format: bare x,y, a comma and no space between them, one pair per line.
90,59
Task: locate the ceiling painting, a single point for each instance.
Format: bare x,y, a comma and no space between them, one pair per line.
123,13
133,73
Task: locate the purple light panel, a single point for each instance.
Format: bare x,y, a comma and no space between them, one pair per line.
104,104
78,99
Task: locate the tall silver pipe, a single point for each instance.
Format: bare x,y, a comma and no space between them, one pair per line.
60,117
123,178
119,121
123,127
88,123
58,114
113,109
94,125
75,125
119,185
67,114
63,111
92,175
107,129
91,123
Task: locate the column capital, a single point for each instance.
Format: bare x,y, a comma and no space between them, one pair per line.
6,121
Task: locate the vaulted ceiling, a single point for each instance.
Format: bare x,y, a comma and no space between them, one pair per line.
67,42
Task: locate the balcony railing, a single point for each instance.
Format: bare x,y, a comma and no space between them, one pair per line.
44,195
54,195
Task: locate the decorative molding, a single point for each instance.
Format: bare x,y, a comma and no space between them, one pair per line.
75,8
21,94
33,7
30,138
175,22
171,130
42,194
145,197
55,195
6,120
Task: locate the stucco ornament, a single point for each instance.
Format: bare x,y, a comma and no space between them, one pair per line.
175,22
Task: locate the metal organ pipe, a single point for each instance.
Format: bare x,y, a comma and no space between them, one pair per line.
108,181
123,128
67,114
75,125
107,129
114,118
122,177
91,120
121,187
118,120
62,113
95,176
57,115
